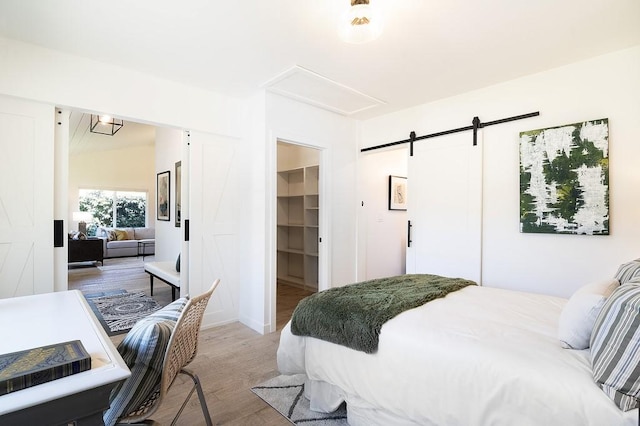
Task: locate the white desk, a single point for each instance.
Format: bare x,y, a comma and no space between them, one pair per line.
32,321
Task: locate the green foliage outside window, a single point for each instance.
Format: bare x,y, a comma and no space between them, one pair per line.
130,211
130,208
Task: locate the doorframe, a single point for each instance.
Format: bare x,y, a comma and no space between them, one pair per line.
61,195
324,225
61,192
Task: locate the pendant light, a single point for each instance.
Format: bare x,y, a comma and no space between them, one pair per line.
105,124
361,23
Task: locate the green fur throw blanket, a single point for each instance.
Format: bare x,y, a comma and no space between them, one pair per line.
353,315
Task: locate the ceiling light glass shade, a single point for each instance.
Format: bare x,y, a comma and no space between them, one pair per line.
105,125
361,23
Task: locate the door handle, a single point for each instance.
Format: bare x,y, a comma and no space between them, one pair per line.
58,234
409,233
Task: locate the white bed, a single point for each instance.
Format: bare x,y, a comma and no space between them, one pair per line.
479,356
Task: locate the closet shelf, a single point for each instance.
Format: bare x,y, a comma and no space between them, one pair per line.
298,230
291,250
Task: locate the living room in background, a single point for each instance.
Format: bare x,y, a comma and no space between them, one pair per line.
111,208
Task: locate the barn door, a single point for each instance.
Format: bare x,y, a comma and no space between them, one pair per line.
26,198
445,207
214,210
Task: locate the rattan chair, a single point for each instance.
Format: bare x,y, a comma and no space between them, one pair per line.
181,350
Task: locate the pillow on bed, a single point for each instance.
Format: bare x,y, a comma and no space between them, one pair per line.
580,312
615,346
628,271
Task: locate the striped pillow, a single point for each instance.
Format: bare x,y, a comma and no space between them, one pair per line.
172,311
615,346
143,351
628,271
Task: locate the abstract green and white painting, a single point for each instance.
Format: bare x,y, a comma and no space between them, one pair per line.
564,179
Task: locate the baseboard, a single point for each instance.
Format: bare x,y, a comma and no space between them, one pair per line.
255,325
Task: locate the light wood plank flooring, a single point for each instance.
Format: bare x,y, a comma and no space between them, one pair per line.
231,359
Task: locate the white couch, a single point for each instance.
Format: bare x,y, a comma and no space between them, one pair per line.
120,242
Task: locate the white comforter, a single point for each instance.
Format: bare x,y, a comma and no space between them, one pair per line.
480,356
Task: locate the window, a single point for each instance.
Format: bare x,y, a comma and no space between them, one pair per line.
113,208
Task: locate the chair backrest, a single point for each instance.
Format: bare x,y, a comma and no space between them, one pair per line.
183,343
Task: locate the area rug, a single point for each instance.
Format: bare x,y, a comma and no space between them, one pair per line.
119,310
286,395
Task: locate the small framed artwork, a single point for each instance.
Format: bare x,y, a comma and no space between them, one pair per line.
397,193
162,196
178,193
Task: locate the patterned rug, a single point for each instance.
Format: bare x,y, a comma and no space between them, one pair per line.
119,310
286,395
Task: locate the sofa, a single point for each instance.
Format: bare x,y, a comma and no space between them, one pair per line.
120,242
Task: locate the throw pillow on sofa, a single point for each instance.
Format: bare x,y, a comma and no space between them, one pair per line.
121,234
144,233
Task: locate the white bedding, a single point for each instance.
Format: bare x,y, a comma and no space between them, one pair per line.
479,356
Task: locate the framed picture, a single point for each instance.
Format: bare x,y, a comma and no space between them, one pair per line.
397,193
564,179
178,215
162,196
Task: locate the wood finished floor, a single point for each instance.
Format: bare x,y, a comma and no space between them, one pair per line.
231,359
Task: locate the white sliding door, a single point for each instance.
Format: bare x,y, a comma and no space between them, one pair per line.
26,198
214,216
445,207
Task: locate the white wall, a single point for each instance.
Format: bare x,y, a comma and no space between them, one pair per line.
168,152
382,239
272,118
603,87
253,270
61,79
335,135
58,79
130,169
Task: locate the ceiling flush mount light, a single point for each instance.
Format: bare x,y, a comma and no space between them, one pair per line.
105,124
361,23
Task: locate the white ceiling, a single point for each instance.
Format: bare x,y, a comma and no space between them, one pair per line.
429,49
82,141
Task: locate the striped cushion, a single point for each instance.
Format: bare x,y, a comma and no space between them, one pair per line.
615,346
172,311
628,271
143,351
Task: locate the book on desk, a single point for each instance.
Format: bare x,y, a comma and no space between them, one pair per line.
31,367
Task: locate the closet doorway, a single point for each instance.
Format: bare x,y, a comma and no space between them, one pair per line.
298,226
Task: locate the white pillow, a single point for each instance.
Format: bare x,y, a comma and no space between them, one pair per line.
579,314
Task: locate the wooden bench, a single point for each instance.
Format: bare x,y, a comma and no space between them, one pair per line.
166,272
